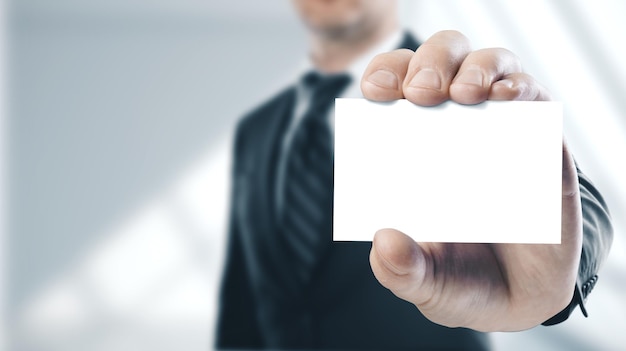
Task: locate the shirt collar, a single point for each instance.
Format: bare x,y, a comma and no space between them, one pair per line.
356,69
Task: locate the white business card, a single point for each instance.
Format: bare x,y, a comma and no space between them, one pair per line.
486,173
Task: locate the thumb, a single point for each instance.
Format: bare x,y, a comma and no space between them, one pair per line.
570,175
402,266
571,216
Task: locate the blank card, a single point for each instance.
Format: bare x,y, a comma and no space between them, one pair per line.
486,173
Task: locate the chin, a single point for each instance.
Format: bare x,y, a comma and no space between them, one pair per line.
329,15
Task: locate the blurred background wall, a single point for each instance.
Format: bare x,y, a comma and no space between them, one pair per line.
117,151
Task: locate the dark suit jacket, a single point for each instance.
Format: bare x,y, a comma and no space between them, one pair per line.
346,308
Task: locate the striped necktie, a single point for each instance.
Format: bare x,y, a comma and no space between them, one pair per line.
308,186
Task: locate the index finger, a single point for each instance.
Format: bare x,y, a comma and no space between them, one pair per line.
383,78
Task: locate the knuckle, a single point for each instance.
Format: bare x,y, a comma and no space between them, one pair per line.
451,34
501,59
450,41
381,58
398,55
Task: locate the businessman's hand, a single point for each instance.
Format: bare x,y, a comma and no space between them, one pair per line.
487,287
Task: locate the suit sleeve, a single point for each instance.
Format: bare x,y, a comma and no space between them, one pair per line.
597,239
237,326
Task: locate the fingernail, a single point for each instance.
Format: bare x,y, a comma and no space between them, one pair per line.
426,78
384,79
470,76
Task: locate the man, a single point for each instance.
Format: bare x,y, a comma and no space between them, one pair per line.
287,285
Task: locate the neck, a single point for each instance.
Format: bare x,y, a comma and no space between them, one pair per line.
335,54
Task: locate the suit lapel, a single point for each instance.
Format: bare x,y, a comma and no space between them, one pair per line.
261,234
267,161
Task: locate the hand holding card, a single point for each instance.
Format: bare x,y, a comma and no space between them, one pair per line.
483,176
